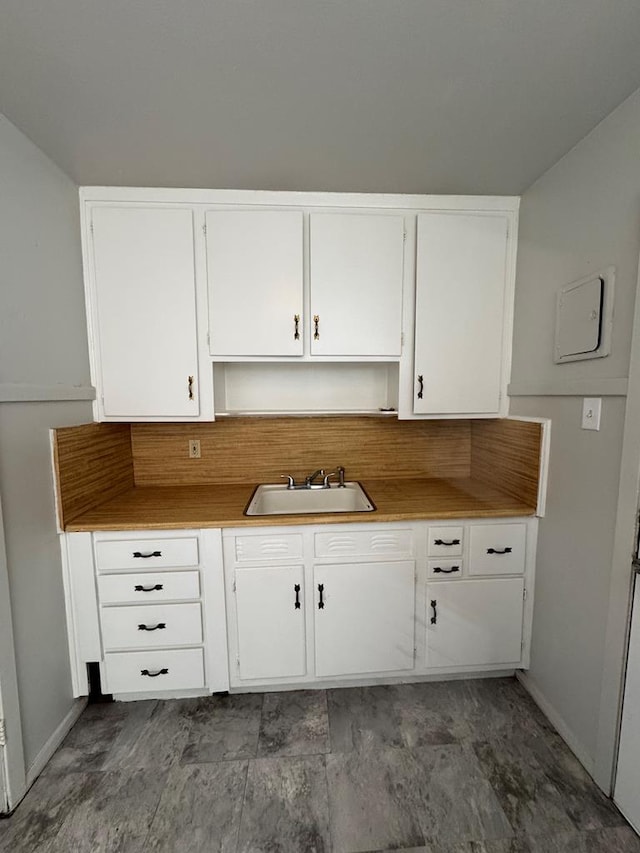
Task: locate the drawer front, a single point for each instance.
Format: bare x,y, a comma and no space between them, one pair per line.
146,553
174,669
147,587
163,625
497,549
268,547
382,543
445,569
445,541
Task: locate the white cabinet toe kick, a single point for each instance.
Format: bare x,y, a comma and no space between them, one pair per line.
178,613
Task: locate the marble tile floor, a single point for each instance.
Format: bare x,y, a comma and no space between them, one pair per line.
450,767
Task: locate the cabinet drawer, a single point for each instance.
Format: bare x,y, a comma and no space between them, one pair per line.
449,569
178,625
147,587
268,547
497,549
445,541
146,553
174,669
383,543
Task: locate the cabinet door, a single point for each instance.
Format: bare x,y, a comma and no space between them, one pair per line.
144,280
460,296
271,629
364,617
255,275
356,263
474,622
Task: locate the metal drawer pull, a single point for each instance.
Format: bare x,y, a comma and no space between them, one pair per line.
434,605
321,602
163,671
296,323
190,387
296,589
444,542
139,588
144,555
421,389
316,327
496,551
438,570
157,627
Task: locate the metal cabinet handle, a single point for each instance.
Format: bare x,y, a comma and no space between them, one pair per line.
316,327
497,551
144,555
321,602
445,543
296,589
157,627
434,605
190,387
139,588
421,388
296,324
163,671
439,570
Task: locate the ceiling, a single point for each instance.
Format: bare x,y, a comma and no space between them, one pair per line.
443,96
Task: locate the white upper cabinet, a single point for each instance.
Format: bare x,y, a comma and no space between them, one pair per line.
142,303
255,280
461,299
356,268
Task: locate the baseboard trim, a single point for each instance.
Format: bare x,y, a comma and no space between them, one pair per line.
15,392
60,733
558,723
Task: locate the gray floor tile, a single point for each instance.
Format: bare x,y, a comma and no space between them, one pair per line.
87,745
363,718
294,723
222,728
153,736
200,809
395,798
429,712
285,807
41,814
117,817
532,803
610,840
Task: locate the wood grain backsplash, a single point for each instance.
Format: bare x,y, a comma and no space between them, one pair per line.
255,450
93,464
506,454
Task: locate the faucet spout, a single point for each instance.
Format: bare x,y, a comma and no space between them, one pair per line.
308,481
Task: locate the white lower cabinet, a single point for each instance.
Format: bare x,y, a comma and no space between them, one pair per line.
279,607
474,622
364,618
270,619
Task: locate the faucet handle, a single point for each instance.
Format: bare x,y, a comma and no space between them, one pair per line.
340,473
291,482
325,482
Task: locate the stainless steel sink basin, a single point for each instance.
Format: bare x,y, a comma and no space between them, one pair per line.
279,500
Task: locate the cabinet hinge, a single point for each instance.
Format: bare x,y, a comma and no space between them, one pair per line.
404,236
91,227
234,586
238,664
402,339
3,733
524,594
204,229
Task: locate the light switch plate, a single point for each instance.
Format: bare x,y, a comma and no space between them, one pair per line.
591,410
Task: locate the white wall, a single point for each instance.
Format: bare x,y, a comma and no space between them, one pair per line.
43,357
579,217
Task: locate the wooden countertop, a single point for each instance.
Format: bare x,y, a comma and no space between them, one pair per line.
182,507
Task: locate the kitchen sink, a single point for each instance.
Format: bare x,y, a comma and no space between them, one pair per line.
280,500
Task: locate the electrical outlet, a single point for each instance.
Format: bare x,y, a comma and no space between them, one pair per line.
591,409
194,448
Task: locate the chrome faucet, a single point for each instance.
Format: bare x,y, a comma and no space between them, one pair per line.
308,481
